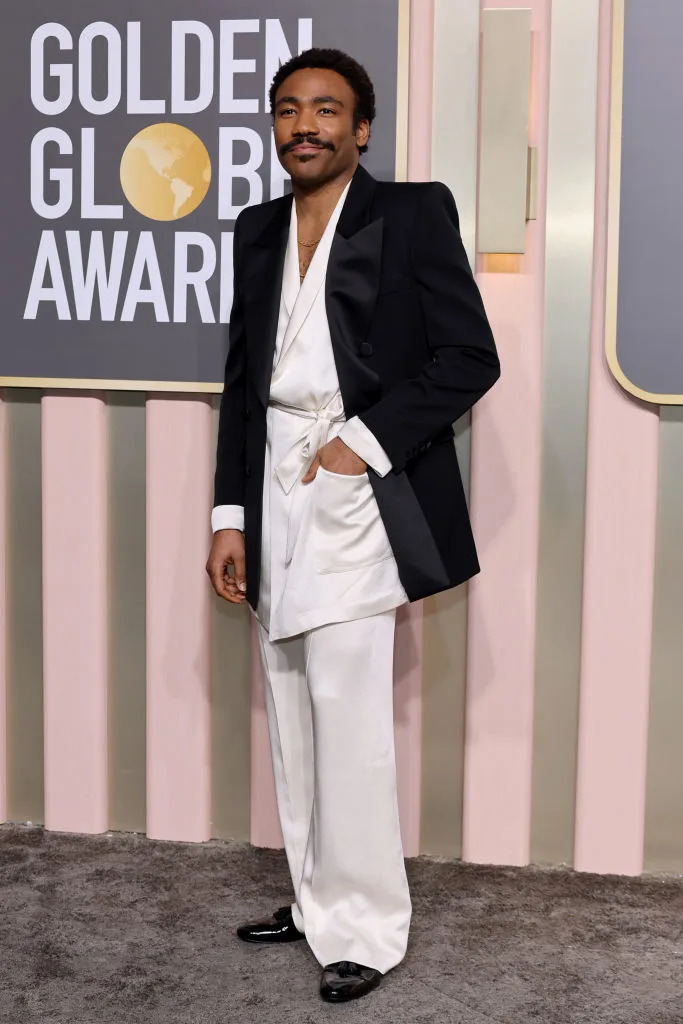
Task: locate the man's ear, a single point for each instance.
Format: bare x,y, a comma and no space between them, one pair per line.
362,132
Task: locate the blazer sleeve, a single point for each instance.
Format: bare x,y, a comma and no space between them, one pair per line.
229,478
464,362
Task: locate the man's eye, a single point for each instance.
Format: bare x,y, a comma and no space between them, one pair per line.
328,110
287,110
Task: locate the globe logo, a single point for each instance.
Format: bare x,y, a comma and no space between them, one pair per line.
165,171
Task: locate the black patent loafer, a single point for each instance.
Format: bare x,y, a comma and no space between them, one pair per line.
280,928
347,980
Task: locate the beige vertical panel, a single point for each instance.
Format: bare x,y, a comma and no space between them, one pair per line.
454,151
444,664
664,800
454,108
454,161
505,80
568,292
24,611
126,723
231,712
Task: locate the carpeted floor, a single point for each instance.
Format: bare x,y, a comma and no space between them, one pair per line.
119,929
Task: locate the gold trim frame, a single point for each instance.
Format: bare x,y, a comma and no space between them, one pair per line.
94,384
208,388
613,213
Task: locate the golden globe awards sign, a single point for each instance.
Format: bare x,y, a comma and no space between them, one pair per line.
132,142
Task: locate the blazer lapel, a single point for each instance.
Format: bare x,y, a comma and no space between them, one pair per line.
351,285
291,283
263,272
315,275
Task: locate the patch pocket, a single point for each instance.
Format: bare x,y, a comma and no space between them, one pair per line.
347,529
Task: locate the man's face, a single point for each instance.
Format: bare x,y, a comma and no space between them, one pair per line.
313,126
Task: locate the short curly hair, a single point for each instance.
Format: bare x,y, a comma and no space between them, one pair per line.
334,60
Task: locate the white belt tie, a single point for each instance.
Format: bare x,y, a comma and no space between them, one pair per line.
314,433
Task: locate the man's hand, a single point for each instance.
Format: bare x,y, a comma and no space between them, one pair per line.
337,457
227,550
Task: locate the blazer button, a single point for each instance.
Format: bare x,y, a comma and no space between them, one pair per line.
247,412
366,348
247,470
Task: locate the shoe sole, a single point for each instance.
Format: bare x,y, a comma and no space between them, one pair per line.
269,942
332,998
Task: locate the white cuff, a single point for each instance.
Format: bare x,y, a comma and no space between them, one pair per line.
227,517
363,442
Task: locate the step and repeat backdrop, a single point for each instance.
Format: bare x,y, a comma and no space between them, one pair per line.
538,711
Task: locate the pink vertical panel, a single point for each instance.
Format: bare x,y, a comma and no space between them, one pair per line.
265,828
3,623
504,504
618,579
502,601
178,619
74,478
420,90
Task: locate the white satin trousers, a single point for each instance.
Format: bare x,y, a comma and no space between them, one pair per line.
329,699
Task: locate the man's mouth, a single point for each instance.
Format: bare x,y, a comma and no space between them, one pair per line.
305,147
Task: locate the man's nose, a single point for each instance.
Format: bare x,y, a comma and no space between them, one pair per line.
304,124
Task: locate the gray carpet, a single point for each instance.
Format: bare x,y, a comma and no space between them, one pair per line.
117,928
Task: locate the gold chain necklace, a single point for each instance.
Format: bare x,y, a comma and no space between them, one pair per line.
307,261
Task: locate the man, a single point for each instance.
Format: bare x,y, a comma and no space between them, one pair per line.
357,337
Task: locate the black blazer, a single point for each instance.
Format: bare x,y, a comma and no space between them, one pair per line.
413,351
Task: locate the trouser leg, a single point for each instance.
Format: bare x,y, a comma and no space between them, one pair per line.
329,698
354,893
291,742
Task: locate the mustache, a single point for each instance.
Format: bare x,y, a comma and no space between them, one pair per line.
310,140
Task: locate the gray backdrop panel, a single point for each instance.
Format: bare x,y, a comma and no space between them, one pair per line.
650,301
